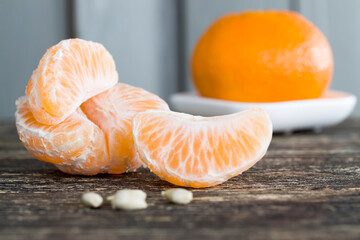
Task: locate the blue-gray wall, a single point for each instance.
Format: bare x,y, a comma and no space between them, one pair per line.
140,34
152,40
27,29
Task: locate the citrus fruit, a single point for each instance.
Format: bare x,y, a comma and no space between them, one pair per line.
75,116
262,56
68,74
198,152
75,146
113,111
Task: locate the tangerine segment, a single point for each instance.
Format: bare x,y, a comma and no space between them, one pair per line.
113,111
75,146
199,152
68,74
262,56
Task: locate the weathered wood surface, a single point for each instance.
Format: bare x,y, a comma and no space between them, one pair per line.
306,187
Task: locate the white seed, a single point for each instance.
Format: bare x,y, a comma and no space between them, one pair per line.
128,199
92,199
178,195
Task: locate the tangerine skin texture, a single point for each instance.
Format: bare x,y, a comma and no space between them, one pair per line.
262,56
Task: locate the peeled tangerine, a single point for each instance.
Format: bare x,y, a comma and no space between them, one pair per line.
94,138
198,152
77,117
76,145
68,74
113,111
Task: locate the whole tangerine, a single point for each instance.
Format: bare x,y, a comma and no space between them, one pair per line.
262,56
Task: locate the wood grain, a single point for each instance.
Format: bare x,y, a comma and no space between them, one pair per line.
306,187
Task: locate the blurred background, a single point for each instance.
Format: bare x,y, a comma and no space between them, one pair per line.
152,40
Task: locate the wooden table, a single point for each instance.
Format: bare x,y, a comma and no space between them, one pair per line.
306,187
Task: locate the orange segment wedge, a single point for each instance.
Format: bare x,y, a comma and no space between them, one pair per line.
68,74
113,111
199,152
75,146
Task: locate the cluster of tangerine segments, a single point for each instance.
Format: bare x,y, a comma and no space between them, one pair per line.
77,116
75,113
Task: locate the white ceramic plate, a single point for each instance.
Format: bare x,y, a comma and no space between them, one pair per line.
288,116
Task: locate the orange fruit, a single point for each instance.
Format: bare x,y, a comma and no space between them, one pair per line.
262,56
75,146
198,152
96,138
68,74
61,121
113,111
